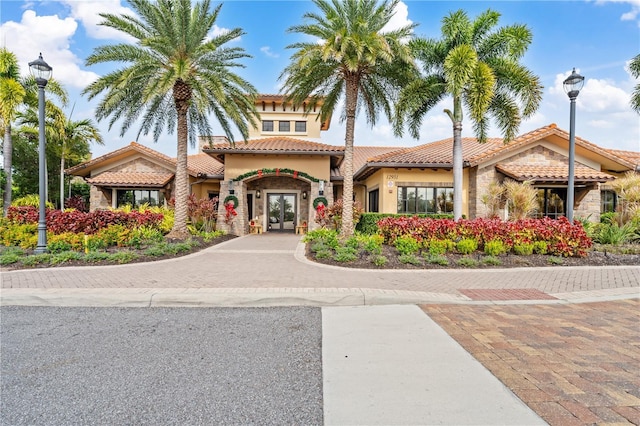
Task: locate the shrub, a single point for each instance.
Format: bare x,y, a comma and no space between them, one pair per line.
37,259
555,260
467,246
368,223
491,260
324,254
540,247
378,260
612,233
495,247
345,254
372,243
406,245
65,256
521,198
333,213
123,257
96,256
440,247
467,262
436,259
493,199
57,243
523,249
352,242
32,200
409,258
9,258
328,236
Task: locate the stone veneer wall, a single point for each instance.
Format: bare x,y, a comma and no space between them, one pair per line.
536,156
101,198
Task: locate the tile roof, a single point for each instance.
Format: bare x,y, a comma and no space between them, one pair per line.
552,173
362,155
275,145
132,179
632,156
196,164
541,133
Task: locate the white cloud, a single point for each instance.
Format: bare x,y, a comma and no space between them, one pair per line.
50,36
631,15
267,51
400,18
88,12
596,96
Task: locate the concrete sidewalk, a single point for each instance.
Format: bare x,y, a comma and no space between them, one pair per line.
392,365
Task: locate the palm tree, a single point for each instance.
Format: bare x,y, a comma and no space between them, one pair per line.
16,92
175,74
11,97
355,59
634,67
478,66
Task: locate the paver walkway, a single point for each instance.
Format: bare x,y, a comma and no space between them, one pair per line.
575,364
275,263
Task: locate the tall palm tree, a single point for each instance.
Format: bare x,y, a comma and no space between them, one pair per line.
478,67
175,74
15,93
356,59
634,67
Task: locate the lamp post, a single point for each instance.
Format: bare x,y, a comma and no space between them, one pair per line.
572,86
42,73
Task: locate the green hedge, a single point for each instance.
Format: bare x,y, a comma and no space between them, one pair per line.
368,223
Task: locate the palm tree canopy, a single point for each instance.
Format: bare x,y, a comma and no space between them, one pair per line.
478,65
634,67
173,57
351,45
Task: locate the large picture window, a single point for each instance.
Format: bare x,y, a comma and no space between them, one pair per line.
138,197
416,200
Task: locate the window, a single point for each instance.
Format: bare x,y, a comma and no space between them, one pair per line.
301,126
284,126
551,202
137,197
267,125
415,200
374,200
608,201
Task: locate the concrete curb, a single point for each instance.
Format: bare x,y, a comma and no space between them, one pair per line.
260,297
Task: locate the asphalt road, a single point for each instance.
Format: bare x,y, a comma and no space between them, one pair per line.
160,366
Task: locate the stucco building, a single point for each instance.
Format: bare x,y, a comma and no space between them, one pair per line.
283,167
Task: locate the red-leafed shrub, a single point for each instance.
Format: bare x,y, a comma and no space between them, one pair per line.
75,221
562,238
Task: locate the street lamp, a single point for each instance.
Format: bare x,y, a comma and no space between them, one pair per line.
41,71
572,86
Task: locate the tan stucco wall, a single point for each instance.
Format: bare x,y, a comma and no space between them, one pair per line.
202,189
313,124
238,164
414,177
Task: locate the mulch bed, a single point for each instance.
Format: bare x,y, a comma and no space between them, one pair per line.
594,258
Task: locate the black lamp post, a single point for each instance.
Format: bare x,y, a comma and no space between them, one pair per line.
42,73
572,86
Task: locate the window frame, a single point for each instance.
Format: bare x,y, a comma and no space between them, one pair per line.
280,126
300,126
425,199
266,124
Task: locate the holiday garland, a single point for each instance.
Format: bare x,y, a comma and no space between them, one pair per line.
277,171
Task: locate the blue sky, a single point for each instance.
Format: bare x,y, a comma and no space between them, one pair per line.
598,38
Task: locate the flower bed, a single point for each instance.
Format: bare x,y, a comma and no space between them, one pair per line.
561,237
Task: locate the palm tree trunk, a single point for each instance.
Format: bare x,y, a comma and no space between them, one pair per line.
457,157
347,189
62,178
8,160
181,184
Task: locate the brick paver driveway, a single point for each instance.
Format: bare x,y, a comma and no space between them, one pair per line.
574,364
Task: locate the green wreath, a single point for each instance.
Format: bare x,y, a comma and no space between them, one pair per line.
319,200
231,198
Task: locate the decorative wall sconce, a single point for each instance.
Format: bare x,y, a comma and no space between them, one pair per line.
304,195
258,193
231,191
321,187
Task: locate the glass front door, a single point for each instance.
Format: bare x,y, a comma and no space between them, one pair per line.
282,212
